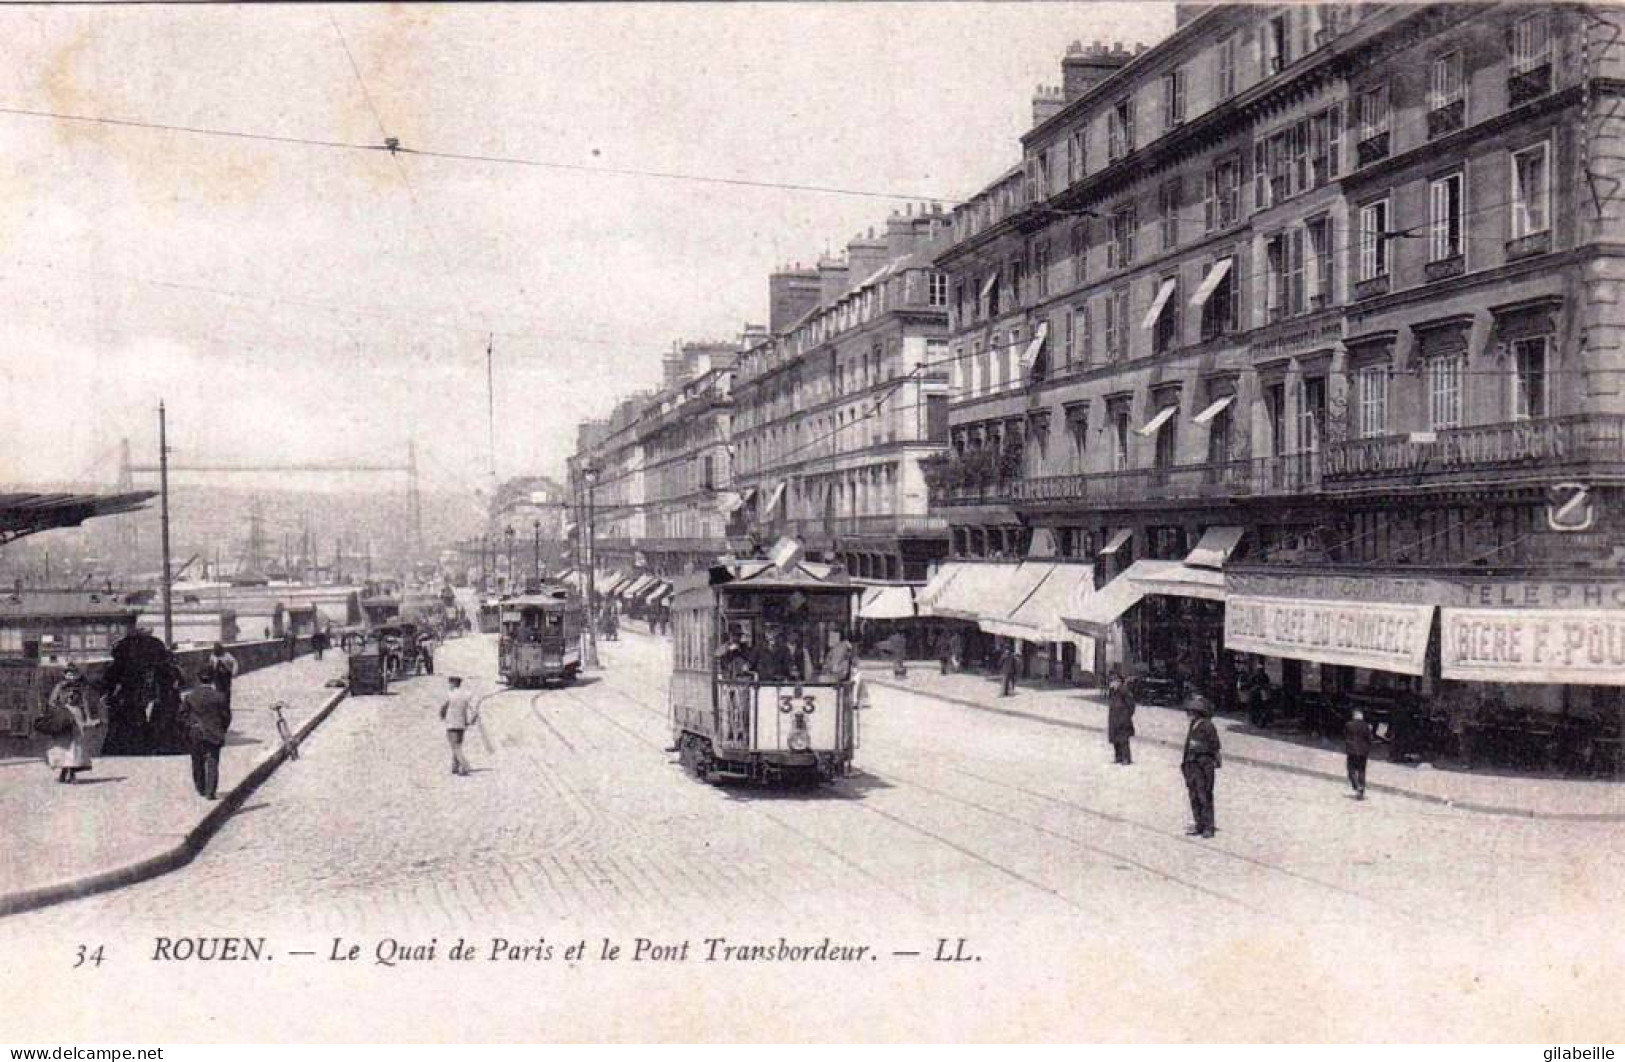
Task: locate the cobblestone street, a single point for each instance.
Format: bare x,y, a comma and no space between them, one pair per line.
1071,880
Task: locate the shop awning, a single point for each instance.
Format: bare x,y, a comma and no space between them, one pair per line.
1214,409
1177,579
1118,540
1063,589
647,593
1165,291
1386,636
1210,283
661,596
729,501
933,590
987,285
626,591
1029,357
1215,547
1150,427
1105,606
887,602
988,590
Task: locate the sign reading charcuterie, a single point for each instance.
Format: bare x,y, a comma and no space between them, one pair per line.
1576,646
1389,637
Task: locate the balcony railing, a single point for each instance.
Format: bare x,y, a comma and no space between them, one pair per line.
1526,85
1444,268
1534,243
1291,474
1371,149
1507,452
1447,119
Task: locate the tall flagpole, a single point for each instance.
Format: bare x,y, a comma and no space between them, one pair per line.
491,408
163,487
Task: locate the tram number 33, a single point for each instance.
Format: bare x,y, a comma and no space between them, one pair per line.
88,955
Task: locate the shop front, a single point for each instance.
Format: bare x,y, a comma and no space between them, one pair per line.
1516,673
1049,649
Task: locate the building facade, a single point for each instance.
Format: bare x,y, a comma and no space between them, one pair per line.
1298,291
835,413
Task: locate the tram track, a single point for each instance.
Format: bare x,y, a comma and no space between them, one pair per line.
1119,857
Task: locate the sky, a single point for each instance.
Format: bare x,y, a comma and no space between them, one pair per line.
291,302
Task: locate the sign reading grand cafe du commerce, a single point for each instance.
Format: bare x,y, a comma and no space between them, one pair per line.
1518,631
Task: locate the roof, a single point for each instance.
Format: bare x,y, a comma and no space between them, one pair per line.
29,513
48,605
550,600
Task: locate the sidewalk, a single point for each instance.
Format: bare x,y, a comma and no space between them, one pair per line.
135,817
1085,709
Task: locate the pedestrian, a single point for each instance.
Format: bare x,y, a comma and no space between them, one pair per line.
206,719
1357,740
318,642
283,732
956,651
71,723
221,669
1009,668
426,651
459,712
945,650
837,665
1119,718
1199,763
1258,698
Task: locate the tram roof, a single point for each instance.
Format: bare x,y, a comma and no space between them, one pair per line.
766,576
30,513
558,597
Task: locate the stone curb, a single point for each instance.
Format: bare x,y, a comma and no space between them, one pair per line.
1288,768
178,855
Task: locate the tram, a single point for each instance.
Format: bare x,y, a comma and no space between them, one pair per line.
541,638
490,615
756,692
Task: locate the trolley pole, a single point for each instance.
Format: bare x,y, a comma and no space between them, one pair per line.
536,566
163,505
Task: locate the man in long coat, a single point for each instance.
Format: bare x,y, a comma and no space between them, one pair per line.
207,717
1119,719
1199,764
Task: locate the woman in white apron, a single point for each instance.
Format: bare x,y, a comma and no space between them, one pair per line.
73,727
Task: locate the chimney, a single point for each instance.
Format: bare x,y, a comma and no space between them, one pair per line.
865,256
899,236
832,274
1086,67
1047,103
791,294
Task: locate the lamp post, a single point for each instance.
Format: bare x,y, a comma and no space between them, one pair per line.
508,536
537,565
590,657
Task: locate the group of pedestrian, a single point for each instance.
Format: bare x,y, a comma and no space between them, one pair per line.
1202,756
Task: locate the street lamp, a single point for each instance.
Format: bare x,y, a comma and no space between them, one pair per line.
537,524
508,535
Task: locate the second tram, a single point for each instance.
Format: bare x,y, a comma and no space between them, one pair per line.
541,638
763,686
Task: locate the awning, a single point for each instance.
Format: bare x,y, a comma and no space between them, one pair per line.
1165,292
1029,358
1383,635
629,590
1118,540
1103,608
937,586
773,499
989,591
887,602
1215,547
647,591
1177,579
661,596
1063,589
1570,646
1151,426
1213,410
1210,283
987,285
1042,544
729,501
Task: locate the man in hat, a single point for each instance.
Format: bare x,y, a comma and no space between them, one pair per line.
459,712
1358,738
1009,668
219,670
1199,762
206,718
1119,718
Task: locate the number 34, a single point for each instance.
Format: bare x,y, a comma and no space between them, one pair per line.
87,955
